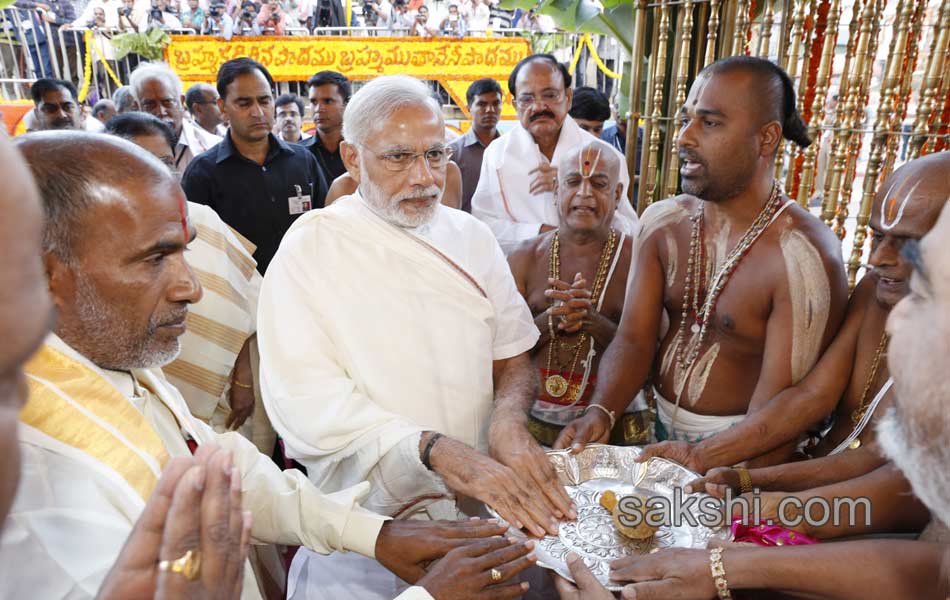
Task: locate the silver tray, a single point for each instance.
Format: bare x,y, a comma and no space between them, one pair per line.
592,536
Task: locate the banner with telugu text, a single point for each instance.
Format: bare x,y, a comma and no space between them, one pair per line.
454,62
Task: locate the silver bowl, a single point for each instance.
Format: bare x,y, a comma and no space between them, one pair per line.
592,536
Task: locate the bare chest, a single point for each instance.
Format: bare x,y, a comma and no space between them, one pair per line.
732,296
608,284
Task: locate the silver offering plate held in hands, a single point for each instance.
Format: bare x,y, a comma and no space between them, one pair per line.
592,536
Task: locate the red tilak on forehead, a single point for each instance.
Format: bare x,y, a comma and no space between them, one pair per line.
587,168
184,216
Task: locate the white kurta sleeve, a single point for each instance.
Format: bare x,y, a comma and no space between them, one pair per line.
288,509
488,205
515,331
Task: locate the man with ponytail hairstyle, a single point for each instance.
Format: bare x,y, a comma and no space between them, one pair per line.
742,287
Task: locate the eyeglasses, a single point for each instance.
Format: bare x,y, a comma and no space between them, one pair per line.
548,97
401,161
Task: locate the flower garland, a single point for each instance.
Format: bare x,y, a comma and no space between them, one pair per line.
87,69
585,40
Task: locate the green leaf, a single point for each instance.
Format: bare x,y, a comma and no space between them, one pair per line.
570,15
516,4
148,45
623,104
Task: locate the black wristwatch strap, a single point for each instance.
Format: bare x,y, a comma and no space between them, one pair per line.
428,449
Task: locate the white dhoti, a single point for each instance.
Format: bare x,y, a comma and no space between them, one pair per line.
341,577
677,423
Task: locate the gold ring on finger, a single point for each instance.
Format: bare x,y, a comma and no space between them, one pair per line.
188,565
495,575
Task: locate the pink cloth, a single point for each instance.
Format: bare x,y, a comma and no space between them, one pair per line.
265,20
768,535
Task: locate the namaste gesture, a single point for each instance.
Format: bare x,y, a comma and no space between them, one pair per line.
572,308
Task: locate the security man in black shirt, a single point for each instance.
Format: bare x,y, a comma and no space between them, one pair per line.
329,93
258,184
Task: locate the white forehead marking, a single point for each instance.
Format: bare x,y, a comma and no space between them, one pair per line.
587,169
888,205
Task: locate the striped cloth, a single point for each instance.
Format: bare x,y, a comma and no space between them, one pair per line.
222,321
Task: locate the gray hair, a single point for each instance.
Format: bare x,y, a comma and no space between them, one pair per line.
375,103
154,70
123,99
70,169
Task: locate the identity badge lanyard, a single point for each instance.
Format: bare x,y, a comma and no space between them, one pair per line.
299,203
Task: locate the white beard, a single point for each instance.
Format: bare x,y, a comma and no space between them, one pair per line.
389,208
924,462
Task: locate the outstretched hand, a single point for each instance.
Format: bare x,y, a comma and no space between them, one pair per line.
592,427
474,474
585,586
680,452
513,445
674,573
715,483
479,571
407,547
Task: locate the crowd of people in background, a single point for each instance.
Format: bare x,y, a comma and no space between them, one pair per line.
228,18
51,42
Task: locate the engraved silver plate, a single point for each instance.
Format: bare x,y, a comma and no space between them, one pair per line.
592,536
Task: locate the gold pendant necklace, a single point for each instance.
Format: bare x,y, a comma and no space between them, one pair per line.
556,385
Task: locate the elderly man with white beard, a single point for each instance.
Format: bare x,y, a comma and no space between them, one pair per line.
394,345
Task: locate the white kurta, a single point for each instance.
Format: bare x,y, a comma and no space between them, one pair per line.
72,513
368,337
193,141
503,199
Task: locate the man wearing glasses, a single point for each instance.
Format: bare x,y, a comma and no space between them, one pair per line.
202,103
516,190
394,348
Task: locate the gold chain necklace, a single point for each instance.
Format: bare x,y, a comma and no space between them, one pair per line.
858,413
556,384
686,354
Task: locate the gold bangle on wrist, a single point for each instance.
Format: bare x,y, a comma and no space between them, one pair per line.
718,571
745,480
241,385
607,411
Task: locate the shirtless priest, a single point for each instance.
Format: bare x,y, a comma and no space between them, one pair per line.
753,284
574,280
852,379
